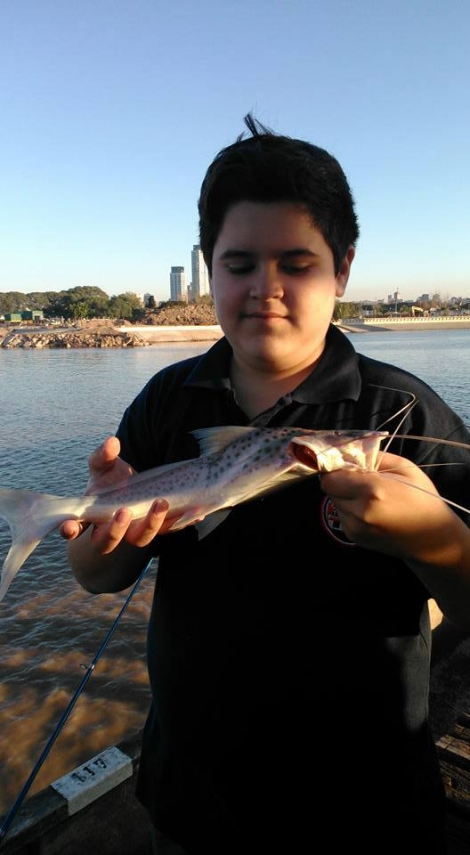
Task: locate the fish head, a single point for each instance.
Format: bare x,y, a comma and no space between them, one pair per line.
327,451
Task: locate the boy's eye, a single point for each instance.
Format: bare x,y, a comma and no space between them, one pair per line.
296,269
290,268
240,269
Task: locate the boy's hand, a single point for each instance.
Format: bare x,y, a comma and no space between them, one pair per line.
396,510
106,469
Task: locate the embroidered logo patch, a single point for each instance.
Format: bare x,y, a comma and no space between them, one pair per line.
331,522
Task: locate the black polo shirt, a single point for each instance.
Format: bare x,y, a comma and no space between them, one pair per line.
289,668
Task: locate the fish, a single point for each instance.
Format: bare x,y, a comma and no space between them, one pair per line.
235,464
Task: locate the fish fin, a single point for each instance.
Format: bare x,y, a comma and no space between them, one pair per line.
277,483
30,516
209,523
212,440
17,555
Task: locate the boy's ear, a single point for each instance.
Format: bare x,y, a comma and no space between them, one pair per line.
344,271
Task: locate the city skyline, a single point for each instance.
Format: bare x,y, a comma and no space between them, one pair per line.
199,285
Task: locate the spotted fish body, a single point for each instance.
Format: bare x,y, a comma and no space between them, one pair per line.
236,464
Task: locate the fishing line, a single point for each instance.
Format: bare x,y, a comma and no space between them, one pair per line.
10,815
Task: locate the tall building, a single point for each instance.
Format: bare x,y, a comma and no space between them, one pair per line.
200,285
178,290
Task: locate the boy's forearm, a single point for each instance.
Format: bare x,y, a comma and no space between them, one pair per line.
105,573
445,572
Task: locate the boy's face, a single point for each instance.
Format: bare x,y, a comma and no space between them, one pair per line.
274,286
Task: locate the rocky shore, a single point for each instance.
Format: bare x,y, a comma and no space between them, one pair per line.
177,323
194,322
178,315
71,338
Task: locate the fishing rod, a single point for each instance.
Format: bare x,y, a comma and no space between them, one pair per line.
10,815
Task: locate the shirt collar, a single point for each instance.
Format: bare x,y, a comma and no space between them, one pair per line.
335,377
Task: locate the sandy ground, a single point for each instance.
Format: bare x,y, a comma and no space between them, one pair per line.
156,334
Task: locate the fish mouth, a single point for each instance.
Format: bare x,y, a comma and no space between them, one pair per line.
305,455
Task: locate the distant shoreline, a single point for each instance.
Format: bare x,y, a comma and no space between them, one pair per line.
106,336
131,336
168,334
154,334
365,325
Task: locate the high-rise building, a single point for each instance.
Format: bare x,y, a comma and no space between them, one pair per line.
178,290
200,285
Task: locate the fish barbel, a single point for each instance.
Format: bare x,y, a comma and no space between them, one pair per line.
236,464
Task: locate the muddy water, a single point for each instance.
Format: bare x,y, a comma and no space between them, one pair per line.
55,408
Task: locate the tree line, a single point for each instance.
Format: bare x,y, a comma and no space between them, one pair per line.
75,304
88,302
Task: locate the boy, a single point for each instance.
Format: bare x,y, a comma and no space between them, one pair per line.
288,650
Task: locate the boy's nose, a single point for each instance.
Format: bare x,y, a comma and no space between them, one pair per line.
266,283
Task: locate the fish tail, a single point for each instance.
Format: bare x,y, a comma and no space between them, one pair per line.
29,517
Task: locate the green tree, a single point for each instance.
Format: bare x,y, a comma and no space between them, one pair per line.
347,310
79,310
12,301
337,311
125,306
98,307
79,303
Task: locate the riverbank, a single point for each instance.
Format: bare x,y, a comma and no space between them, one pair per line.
105,335
157,334
364,325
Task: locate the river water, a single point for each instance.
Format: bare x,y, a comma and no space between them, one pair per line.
56,406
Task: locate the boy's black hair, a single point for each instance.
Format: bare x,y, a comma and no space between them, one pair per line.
268,167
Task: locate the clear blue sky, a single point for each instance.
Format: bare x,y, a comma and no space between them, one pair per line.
111,111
